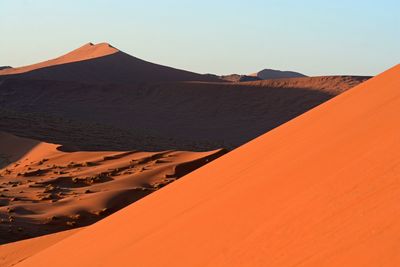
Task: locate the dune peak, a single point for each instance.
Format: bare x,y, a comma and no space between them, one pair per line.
99,48
85,52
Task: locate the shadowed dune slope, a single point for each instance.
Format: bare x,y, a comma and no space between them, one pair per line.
321,190
226,114
13,148
101,63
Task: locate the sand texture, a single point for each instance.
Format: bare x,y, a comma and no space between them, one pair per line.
45,190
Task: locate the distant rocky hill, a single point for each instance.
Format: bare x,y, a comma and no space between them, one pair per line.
266,74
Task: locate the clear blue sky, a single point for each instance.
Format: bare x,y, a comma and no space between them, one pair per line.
312,37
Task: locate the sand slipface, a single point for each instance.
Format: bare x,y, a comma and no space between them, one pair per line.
321,190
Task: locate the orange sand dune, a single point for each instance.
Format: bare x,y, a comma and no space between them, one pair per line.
321,190
45,190
101,63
